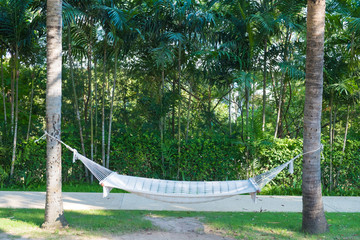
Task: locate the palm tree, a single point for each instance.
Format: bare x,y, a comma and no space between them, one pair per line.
314,220
54,213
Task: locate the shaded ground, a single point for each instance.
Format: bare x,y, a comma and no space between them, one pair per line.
169,228
186,228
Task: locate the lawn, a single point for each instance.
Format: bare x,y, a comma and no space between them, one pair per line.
96,223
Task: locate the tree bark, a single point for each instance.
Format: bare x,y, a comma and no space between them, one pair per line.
264,87
16,113
96,112
90,107
111,110
161,123
230,100
314,220
54,213
179,107
13,93
3,87
103,110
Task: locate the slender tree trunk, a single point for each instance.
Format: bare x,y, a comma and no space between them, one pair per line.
90,107
76,105
31,105
331,181
179,107
111,110
103,110
88,99
344,144
314,220
54,213
161,124
16,113
173,110
3,87
96,113
13,93
346,128
188,116
230,99
264,87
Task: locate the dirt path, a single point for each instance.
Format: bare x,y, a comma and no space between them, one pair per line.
175,229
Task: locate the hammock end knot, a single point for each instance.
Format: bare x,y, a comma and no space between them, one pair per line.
75,155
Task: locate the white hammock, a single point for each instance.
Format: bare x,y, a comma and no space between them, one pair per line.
178,191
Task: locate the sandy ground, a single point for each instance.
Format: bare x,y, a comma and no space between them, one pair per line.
168,229
176,229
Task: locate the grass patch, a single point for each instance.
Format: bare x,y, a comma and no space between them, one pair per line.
89,224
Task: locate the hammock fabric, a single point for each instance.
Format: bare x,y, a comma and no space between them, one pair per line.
178,191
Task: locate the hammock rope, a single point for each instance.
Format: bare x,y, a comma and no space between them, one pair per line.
178,191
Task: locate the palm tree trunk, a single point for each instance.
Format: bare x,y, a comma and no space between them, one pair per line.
111,110
161,123
31,105
16,113
103,109
188,116
90,108
13,93
3,87
96,113
314,220
346,128
230,99
264,87
179,107
332,151
54,213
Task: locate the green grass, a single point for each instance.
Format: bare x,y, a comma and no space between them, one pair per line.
88,224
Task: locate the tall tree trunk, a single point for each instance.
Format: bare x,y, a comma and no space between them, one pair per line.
88,99
173,110
331,182
103,110
96,112
161,123
278,129
314,220
230,100
13,93
346,128
90,107
54,213
76,105
3,87
179,107
188,115
31,105
264,87
16,112
344,143
111,109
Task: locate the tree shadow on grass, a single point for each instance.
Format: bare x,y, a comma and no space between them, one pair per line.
27,222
